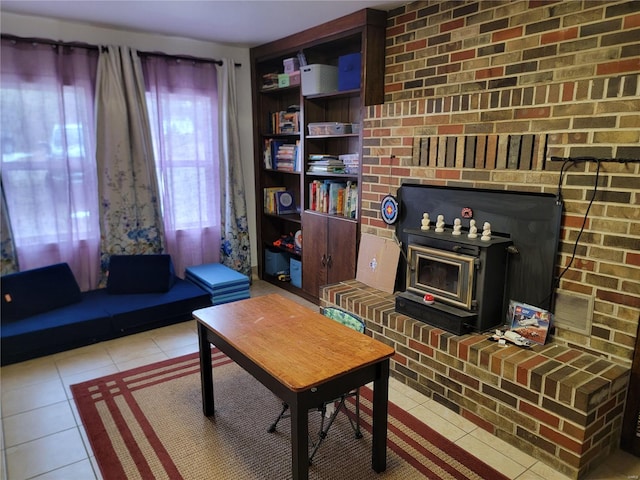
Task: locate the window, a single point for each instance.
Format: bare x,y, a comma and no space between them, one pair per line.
183,112
48,165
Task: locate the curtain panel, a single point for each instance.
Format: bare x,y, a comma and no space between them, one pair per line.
48,164
236,249
130,218
182,103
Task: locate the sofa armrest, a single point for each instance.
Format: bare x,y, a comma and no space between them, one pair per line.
37,291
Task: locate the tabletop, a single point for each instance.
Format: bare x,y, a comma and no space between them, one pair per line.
299,346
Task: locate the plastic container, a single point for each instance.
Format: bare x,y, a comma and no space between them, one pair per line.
329,128
319,78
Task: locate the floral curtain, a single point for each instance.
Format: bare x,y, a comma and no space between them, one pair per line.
130,219
8,259
235,251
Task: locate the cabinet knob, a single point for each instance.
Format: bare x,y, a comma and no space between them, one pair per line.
329,260
323,260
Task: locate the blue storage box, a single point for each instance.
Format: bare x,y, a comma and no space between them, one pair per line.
349,71
296,272
276,262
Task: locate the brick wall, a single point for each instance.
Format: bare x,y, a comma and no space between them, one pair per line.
566,71
558,404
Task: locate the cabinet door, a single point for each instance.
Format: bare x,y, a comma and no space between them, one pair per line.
341,249
314,252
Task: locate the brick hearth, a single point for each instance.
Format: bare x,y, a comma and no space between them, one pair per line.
559,404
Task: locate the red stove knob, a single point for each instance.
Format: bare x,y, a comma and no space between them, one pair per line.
429,299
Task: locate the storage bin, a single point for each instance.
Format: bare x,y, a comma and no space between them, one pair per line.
329,128
349,71
319,78
296,272
291,65
283,80
276,262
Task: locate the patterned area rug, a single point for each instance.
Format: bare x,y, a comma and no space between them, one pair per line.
148,423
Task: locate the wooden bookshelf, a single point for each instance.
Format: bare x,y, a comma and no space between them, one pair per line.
362,32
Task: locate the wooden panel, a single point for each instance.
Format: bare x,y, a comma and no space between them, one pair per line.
481,151
630,439
516,152
513,152
470,151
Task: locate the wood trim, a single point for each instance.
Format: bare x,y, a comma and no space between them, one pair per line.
630,438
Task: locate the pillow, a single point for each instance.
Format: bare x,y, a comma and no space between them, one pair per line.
140,274
37,291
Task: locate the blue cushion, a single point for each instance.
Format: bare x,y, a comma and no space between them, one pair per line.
131,312
37,291
67,327
140,274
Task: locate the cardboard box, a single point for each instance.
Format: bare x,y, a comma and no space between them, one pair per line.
349,71
378,262
291,64
283,80
319,79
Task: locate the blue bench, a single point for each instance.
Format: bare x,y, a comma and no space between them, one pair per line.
44,311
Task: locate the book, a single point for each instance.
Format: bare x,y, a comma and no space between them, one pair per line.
530,322
285,203
270,199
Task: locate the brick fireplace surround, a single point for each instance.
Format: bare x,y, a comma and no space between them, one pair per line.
567,72
560,404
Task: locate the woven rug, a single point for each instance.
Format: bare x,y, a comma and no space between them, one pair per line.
147,423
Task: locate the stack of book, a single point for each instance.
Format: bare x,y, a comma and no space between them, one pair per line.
323,163
279,155
286,157
286,121
334,198
269,81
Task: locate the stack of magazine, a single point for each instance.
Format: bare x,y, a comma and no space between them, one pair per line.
322,163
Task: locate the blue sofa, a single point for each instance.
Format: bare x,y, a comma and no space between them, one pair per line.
44,311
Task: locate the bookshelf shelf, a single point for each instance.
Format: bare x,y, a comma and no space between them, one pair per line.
361,32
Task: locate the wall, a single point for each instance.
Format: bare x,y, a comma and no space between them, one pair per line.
38,27
566,71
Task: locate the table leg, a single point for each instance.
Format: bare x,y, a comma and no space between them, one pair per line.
206,371
380,409
299,442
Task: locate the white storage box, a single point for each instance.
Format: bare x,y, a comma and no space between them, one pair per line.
319,79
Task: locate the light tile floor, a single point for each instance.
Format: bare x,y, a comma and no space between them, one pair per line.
42,437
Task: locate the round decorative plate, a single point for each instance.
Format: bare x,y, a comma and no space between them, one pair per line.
286,199
298,239
389,209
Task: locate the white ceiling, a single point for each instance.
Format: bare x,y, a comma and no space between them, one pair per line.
239,23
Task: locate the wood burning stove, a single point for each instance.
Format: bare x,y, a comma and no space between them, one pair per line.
473,280
466,277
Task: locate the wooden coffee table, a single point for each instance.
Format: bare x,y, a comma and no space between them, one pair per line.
302,357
